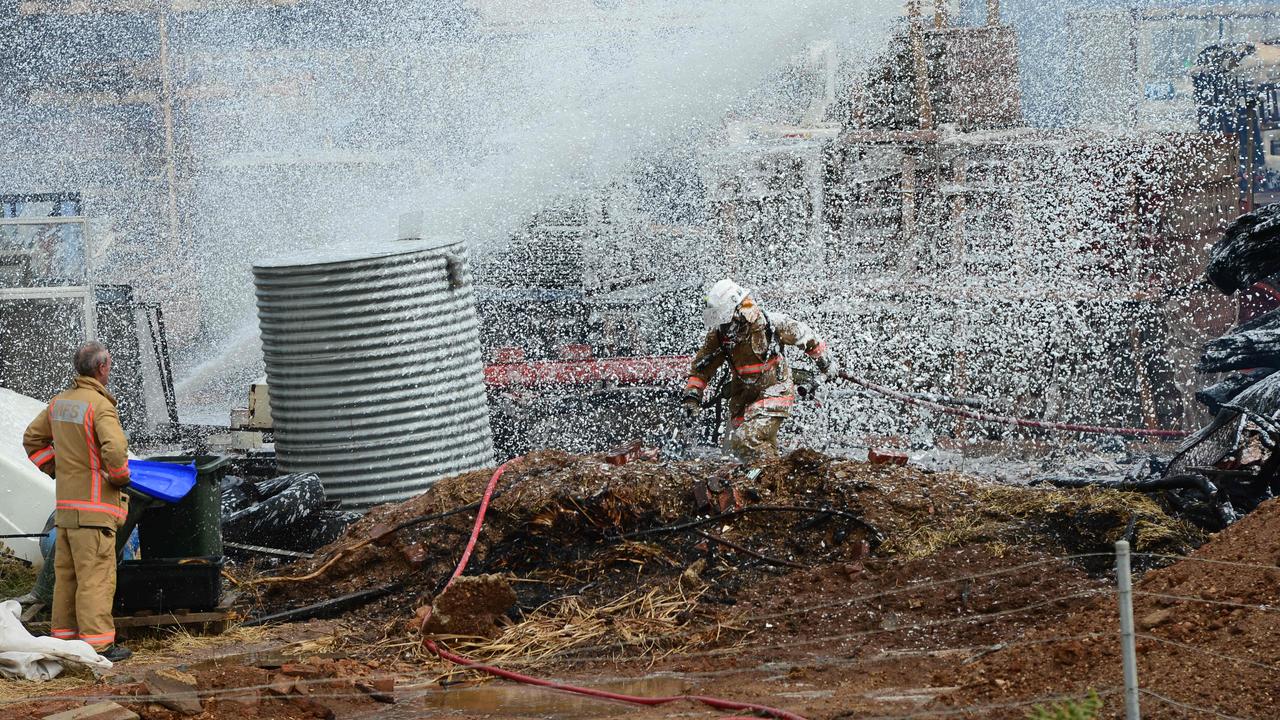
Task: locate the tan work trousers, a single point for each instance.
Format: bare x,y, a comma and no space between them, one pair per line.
756,437
84,586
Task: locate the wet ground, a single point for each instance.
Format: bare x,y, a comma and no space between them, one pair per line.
937,593
511,700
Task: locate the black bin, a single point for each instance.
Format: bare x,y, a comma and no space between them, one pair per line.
192,527
168,584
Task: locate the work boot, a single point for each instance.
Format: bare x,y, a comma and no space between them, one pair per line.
116,653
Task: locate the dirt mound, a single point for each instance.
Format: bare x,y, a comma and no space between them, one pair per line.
576,525
828,587
1199,620
278,691
471,605
888,595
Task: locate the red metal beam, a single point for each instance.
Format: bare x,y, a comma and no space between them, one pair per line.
623,371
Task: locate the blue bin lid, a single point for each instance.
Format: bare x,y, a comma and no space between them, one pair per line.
162,480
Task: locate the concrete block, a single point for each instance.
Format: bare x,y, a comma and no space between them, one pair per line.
174,689
96,711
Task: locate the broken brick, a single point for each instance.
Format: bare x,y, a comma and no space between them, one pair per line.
301,670
376,694
1155,619
282,685
381,534
876,456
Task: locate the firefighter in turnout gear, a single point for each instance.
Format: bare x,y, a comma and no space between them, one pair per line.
761,389
79,440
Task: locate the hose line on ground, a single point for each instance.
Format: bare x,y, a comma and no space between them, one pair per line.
1009,420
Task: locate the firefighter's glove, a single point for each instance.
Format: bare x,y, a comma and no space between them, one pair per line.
828,365
691,399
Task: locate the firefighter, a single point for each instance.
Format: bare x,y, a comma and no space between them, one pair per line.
761,389
82,427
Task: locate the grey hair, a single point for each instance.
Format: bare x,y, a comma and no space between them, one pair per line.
91,356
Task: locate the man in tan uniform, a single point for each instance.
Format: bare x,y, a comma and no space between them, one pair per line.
82,428
761,388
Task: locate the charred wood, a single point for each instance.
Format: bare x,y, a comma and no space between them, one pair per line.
1225,391
1263,397
1249,251
1198,483
1237,351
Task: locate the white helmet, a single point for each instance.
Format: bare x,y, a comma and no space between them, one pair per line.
722,300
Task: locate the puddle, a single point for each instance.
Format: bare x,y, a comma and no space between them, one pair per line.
918,696
512,700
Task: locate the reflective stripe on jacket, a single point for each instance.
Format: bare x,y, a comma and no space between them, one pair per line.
761,373
82,429
751,357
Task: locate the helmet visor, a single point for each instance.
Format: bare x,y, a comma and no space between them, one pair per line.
713,316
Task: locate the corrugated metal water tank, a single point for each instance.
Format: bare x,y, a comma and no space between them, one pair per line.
374,368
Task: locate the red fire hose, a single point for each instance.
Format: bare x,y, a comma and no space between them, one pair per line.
1006,420
430,644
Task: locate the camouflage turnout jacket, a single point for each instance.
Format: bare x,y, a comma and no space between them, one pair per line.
761,376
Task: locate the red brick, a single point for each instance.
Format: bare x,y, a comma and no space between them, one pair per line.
877,456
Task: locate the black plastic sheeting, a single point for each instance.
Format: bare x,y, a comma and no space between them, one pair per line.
1249,251
289,512
1225,391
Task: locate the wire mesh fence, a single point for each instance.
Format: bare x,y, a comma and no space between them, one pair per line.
1142,688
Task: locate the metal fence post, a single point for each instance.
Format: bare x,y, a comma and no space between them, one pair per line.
1128,651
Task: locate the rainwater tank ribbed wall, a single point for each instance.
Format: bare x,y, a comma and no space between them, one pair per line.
374,368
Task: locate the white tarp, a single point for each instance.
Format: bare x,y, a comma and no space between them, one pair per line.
26,494
38,658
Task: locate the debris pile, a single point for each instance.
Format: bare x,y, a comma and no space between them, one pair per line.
1230,465
563,526
1232,461
854,578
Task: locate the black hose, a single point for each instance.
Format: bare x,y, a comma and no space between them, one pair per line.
875,538
331,606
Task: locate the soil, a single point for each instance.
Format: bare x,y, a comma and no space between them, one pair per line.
564,521
845,589
471,605
1207,634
